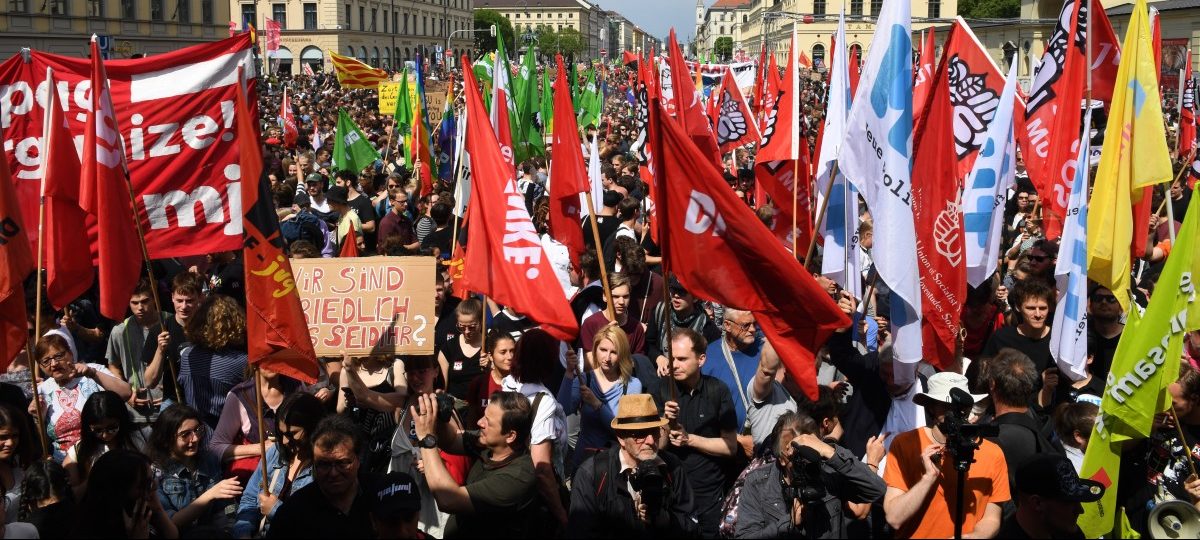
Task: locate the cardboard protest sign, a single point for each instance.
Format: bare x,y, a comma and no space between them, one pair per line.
368,305
389,93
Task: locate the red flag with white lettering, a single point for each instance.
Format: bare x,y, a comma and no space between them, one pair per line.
735,123
689,109
104,193
505,259
780,166
16,263
568,176
69,271
290,132
721,252
1187,121
924,73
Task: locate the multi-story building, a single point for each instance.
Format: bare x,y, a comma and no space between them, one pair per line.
132,26
382,33
624,35
593,22
724,18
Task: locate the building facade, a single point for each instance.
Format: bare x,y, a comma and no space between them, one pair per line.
588,18
133,26
725,18
624,35
381,33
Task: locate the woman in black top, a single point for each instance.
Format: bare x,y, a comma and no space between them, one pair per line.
372,389
459,358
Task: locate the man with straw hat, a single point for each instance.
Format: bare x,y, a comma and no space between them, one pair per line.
632,490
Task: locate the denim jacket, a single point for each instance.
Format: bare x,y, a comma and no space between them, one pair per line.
248,514
178,487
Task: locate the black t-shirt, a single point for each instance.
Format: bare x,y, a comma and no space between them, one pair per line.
440,238
307,514
1009,528
607,226
366,214
1020,439
706,411
1037,350
462,368
1102,349
228,279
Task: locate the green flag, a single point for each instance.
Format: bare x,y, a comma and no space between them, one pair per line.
404,118
547,113
1146,361
590,101
527,140
351,150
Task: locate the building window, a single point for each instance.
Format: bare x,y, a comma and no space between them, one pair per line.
856,7
347,18
206,11
362,21
935,9
876,7
58,7
95,8
310,16
156,10
424,25
385,23
374,19
818,8
183,11
395,22
818,52
279,13
406,24
249,15
18,6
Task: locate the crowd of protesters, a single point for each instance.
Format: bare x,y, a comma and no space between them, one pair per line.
632,431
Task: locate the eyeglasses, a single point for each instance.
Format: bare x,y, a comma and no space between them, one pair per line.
642,435
393,186
1106,298
325,465
47,361
746,326
103,431
465,327
1038,258
198,433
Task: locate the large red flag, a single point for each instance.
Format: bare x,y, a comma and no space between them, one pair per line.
568,176
923,75
16,262
279,338
290,132
688,109
780,167
735,123
937,219
721,252
69,271
505,260
104,193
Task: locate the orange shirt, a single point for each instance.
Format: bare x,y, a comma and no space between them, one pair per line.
988,480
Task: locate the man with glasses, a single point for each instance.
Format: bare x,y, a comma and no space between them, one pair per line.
396,222
338,502
733,359
1104,328
632,490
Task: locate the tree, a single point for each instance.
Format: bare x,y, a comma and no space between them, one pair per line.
989,9
570,42
485,18
723,48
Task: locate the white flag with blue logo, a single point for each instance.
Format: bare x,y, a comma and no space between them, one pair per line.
839,225
876,156
987,186
1068,335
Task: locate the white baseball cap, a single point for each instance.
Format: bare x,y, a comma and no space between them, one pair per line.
937,388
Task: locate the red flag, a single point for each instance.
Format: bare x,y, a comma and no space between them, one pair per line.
780,156
937,219
69,271
568,176
104,193
760,79
506,260
688,109
290,132
721,252
232,28
279,338
349,246
924,74
1187,119
273,37
629,57
16,262
804,61
735,123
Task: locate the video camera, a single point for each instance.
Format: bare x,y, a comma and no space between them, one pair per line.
648,480
806,483
963,437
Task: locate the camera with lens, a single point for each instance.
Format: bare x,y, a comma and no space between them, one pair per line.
445,406
963,437
648,480
805,475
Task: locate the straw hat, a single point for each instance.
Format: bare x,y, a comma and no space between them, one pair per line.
637,411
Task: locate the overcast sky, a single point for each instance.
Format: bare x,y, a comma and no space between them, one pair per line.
658,16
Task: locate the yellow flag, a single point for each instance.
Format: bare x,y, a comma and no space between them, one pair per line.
1134,155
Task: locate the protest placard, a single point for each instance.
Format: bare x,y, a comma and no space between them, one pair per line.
389,93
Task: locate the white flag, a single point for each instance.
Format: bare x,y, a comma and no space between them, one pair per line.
986,187
839,225
594,178
462,187
1068,335
876,156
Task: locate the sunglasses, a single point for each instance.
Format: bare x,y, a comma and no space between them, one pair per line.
1106,298
1038,258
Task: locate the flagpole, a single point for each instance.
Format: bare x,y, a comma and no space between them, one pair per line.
262,435
37,316
1182,439
608,310
795,206
812,242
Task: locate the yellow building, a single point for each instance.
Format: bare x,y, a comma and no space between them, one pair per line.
588,18
134,26
382,33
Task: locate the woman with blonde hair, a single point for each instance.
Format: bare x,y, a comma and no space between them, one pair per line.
215,359
596,391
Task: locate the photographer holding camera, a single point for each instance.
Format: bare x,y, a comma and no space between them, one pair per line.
633,491
920,472
803,494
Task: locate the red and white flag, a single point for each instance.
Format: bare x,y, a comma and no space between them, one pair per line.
721,252
781,166
288,118
308,70
273,37
233,27
505,260
923,74
1187,117
568,177
69,271
689,111
104,193
735,123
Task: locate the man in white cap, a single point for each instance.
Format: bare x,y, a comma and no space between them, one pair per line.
922,482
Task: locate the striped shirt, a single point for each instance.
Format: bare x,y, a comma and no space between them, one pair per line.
206,377
424,226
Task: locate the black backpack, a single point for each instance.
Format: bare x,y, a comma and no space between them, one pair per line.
304,226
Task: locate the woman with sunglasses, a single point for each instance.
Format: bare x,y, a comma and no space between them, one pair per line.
66,388
107,424
288,465
190,487
459,358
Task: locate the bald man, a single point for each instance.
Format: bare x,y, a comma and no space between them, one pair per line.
733,359
768,398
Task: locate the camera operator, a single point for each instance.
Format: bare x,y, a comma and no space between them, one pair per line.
500,498
802,495
633,491
921,463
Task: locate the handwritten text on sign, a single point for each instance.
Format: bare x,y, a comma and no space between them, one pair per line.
362,306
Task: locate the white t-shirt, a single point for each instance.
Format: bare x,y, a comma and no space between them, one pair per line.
549,420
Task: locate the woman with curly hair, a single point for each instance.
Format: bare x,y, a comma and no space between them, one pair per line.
215,359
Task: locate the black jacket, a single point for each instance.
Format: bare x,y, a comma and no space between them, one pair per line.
602,506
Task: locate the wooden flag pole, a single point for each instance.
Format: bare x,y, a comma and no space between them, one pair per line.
262,430
608,310
1183,440
37,316
812,242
